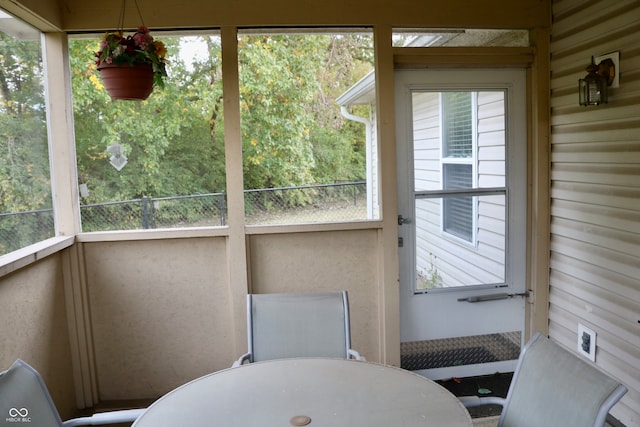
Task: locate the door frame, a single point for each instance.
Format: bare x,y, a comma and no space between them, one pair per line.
515,82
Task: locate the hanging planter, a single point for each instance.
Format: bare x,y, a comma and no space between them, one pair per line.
127,82
130,66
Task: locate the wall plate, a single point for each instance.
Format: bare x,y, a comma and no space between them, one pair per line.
615,57
586,342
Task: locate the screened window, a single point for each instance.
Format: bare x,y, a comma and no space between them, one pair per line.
26,214
425,37
308,126
158,163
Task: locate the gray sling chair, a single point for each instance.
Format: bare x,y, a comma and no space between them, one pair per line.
283,326
553,387
25,400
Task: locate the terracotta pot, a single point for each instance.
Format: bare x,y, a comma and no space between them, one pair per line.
127,82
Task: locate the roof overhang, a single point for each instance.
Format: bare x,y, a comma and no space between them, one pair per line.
361,93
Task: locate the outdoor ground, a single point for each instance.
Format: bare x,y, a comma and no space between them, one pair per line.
488,385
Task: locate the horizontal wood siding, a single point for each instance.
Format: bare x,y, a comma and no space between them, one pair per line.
595,191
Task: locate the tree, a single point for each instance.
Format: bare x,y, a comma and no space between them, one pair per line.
24,169
172,146
292,128
292,131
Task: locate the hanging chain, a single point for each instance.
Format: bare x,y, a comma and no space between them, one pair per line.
122,13
139,13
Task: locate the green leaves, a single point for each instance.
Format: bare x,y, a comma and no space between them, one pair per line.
292,129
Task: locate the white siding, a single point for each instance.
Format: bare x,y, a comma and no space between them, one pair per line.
595,192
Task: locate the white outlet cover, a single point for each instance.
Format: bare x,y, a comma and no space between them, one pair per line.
591,354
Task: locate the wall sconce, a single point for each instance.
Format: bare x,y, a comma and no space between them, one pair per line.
594,88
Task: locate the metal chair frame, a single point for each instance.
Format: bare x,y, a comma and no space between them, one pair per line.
24,398
287,300
552,386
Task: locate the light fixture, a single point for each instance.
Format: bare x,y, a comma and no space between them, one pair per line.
594,88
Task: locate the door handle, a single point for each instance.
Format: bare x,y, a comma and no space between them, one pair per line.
402,220
492,297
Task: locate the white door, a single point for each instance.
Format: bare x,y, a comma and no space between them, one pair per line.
461,138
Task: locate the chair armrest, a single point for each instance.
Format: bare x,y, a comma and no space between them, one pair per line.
102,418
355,355
472,401
244,358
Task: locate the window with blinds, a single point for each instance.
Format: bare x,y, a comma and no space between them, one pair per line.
458,211
457,162
457,125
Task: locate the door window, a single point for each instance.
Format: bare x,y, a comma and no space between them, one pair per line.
459,179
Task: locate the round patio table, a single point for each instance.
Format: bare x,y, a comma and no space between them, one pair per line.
308,392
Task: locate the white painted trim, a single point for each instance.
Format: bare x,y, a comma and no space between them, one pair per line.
310,228
151,234
79,327
61,134
28,255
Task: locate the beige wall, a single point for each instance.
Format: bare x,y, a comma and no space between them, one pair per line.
325,261
33,326
595,192
161,311
160,314
82,14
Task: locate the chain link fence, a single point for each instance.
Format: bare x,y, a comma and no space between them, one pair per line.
288,205
149,212
21,229
306,204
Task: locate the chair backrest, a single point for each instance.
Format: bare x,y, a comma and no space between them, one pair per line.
24,398
298,325
553,387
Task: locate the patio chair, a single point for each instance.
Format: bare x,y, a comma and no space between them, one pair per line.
553,387
283,326
24,398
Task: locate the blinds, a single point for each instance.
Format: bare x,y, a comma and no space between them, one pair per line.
458,211
458,124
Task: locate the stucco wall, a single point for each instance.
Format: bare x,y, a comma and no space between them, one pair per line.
326,261
160,314
33,327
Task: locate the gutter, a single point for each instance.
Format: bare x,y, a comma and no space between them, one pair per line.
369,160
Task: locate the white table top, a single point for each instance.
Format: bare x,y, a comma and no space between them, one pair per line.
310,391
